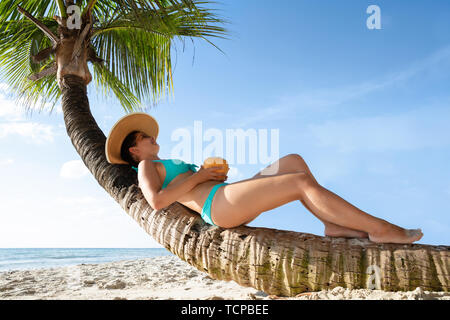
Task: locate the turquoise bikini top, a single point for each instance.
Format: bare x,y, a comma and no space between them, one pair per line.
174,167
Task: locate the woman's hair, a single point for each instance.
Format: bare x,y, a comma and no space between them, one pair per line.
130,141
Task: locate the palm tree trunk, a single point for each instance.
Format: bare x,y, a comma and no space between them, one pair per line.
277,262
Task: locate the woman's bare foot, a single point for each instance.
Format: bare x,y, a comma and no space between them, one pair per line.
333,230
394,234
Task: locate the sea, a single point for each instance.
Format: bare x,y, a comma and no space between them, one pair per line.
40,258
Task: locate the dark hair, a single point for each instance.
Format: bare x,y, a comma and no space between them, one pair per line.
130,141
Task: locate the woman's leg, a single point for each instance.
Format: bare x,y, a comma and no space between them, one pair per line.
333,208
243,201
295,163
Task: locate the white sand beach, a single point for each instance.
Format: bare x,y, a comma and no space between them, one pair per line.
158,278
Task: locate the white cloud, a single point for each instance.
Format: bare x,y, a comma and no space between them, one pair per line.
6,162
74,169
12,108
36,133
9,110
14,122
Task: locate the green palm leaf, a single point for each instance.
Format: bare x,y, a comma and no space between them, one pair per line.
18,41
133,37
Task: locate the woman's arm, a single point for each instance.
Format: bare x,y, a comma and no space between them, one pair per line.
150,184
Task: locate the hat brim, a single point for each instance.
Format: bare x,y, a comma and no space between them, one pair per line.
137,121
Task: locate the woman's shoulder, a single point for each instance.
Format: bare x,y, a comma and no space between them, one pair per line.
147,162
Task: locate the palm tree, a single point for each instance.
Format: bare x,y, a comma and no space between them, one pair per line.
128,42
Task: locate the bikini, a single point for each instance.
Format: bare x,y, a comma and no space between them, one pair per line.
174,167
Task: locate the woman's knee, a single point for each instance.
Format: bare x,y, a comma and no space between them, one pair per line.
301,165
297,162
297,159
304,181
294,156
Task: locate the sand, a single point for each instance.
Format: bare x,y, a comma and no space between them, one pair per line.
158,278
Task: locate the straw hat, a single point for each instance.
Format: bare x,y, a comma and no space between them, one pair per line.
137,121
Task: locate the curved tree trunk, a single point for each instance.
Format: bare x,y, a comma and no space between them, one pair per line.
277,262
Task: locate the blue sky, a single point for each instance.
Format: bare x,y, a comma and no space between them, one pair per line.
368,110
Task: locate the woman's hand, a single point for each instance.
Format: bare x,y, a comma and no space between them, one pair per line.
206,174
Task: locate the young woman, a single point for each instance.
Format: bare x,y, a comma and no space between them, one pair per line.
132,140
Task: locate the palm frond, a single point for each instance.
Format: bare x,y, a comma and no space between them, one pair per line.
134,37
107,81
38,8
20,40
139,59
137,45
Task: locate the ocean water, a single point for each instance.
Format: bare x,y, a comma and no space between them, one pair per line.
38,258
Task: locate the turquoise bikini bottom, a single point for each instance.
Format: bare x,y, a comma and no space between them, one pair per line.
206,210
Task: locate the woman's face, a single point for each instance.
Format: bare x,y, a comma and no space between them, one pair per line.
146,146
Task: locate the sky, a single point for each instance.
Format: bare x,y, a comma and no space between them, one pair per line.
368,110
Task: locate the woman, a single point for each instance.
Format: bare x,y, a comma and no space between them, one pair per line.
132,140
